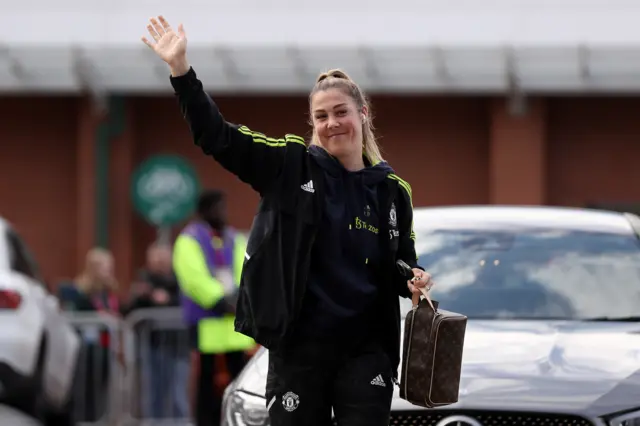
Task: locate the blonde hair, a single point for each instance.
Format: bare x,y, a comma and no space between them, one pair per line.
338,79
87,281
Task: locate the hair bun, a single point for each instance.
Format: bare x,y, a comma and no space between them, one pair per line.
322,77
334,73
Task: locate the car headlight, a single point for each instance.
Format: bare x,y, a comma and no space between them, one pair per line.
243,409
628,419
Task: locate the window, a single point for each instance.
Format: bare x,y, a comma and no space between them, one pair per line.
533,272
20,258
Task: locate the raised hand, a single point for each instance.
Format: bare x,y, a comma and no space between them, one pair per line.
169,45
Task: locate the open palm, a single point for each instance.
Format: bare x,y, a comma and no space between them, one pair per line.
169,45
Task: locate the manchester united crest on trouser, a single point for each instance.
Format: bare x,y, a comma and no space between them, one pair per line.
304,386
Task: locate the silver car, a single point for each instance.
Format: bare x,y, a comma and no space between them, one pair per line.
553,300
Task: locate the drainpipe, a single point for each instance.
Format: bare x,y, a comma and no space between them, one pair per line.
109,129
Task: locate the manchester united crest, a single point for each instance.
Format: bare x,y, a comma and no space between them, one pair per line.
393,221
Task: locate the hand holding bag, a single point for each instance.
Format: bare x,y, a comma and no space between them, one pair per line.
432,353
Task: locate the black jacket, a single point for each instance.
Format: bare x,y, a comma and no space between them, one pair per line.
277,261
159,338
155,282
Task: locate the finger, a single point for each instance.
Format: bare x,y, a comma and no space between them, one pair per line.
419,276
164,23
148,43
153,33
157,27
419,281
181,31
425,277
425,283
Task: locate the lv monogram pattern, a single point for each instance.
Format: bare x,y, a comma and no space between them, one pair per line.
432,356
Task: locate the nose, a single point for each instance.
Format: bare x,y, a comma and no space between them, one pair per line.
332,122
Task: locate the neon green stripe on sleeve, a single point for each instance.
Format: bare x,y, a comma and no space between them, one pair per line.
193,275
404,184
276,143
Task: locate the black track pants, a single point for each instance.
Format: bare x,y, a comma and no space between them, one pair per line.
308,381
208,404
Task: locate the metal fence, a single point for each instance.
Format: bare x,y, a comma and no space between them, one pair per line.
133,371
97,395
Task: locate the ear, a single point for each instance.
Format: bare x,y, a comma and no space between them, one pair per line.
364,113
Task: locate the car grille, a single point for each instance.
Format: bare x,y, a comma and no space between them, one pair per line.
486,418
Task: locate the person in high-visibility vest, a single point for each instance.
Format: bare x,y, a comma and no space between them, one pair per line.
208,257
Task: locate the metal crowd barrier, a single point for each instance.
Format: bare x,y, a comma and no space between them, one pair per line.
157,346
133,371
98,394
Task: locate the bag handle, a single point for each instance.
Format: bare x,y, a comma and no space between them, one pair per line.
415,298
407,272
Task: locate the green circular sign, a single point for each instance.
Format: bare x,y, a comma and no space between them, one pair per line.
164,189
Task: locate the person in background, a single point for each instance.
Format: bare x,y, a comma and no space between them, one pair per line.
94,289
208,257
165,352
156,284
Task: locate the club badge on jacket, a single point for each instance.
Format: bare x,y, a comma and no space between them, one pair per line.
393,223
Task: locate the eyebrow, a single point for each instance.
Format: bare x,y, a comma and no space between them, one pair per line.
336,106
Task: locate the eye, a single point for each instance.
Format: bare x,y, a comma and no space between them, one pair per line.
341,113
321,117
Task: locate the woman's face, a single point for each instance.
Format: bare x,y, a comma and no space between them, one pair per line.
103,267
337,122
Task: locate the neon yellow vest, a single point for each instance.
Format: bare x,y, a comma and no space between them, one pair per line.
215,335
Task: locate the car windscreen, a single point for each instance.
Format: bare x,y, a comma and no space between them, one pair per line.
532,273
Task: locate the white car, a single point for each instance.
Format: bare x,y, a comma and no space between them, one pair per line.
39,349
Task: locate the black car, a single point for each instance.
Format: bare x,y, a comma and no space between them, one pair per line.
553,300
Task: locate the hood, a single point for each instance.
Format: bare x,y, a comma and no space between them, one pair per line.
370,175
557,366
561,366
